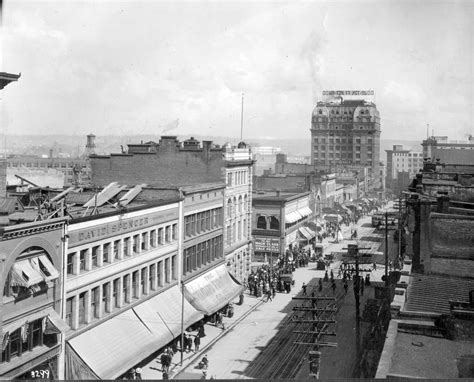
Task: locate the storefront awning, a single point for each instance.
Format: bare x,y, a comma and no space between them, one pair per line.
113,347
48,313
212,291
25,275
305,211
292,217
307,233
42,265
162,314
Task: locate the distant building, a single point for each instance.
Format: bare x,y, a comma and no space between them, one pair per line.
280,221
264,157
346,132
402,165
452,152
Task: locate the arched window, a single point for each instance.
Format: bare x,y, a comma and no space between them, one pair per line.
262,222
245,203
274,223
229,208
240,204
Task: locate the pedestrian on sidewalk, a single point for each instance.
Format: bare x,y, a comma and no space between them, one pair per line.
197,342
333,287
269,296
362,287
345,287
165,376
304,289
138,373
320,285
326,276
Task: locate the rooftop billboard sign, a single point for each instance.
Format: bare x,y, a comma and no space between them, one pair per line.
348,92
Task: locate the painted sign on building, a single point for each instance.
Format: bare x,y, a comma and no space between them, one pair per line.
267,244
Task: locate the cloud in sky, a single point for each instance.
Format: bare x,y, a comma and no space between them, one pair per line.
133,67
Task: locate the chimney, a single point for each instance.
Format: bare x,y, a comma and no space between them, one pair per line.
277,192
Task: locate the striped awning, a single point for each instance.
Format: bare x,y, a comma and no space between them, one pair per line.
44,267
24,274
305,211
292,217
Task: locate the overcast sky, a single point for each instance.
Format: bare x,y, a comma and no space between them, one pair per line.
135,67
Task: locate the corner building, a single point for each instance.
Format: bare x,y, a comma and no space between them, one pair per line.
346,133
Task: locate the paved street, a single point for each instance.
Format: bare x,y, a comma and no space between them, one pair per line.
239,350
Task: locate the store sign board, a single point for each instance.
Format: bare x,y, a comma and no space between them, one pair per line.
266,244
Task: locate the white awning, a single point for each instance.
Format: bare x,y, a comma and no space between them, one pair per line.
292,217
44,267
113,347
305,211
213,290
162,314
24,274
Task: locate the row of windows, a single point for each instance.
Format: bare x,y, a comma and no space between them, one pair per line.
104,299
339,148
237,205
24,340
268,222
203,221
106,253
41,165
236,231
341,140
201,254
237,178
339,155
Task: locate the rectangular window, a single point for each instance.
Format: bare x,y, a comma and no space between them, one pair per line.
143,281
153,238
106,253
69,311
187,226
95,252
160,236
95,300
208,220
159,274
70,262
135,284
167,270
126,288
116,249
193,224
82,308
115,293
175,232
126,246
144,241
82,260
167,234
152,276
174,268
105,298
135,243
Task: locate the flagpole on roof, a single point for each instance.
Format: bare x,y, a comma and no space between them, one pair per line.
242,119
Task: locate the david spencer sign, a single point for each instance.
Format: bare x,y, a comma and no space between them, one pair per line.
263,244
348,92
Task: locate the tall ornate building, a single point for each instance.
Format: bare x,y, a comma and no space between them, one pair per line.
346,132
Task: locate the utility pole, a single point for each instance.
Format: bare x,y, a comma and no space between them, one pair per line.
399,229
242,119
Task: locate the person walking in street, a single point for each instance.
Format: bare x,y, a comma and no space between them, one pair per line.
320,285
333,287
362,287
304,289
346,287
197,342
326,276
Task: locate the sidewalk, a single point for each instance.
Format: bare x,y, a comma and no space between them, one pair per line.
152,370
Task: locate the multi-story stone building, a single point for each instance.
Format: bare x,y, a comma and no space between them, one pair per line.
448,151
402,165
173,163
346,132
280,223
31,274
128,267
